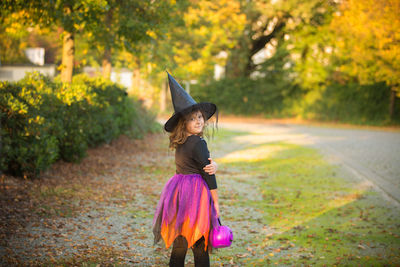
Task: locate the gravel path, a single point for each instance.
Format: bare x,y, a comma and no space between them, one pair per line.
368,154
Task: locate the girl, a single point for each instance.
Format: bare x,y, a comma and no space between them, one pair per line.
188,207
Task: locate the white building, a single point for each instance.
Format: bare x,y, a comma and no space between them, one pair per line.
13,73
35,55
122,76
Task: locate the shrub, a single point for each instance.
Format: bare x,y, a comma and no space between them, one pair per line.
105,107
43,121
28,145
353,103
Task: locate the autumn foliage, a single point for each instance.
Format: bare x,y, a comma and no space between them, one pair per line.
273,58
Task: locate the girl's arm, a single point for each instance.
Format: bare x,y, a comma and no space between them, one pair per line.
200,156
214,194
211,168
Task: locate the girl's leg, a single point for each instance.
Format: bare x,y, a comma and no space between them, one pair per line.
201,258
178,253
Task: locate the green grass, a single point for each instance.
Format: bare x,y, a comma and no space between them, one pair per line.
138,213
59,191
320,216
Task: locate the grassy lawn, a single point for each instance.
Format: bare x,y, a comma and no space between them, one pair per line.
314,214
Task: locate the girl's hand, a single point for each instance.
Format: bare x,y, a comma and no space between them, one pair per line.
211,168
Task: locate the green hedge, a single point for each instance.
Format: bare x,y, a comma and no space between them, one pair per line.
43,120
245,96
352,103
275,97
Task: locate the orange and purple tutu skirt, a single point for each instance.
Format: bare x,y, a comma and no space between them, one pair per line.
185,208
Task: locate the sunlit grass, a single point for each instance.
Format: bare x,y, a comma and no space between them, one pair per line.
298,184
320,216
251,155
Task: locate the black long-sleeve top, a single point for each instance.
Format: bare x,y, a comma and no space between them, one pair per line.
192,156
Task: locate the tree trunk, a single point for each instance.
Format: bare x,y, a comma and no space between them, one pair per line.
136,74
68,56
106,63
260,42
392,103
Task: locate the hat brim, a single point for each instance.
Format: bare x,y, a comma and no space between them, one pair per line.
208,108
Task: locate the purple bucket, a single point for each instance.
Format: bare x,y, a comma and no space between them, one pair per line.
221,237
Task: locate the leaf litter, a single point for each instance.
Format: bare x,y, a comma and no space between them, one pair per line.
97,211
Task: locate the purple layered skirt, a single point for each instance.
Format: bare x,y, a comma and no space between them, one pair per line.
185,208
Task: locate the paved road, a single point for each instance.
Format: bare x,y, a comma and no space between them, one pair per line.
368,154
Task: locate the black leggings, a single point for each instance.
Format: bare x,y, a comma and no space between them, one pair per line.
180,246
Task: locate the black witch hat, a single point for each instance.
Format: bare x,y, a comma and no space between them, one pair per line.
184,103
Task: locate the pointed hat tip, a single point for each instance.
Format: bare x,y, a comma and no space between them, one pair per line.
169,75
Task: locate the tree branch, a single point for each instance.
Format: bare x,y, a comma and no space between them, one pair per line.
260,42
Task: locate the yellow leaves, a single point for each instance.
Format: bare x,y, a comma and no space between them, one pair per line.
37,120
77,26
14,23
60,67
12,29
151,34
80,26
369,30
211,25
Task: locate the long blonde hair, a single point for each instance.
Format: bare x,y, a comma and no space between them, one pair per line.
179,135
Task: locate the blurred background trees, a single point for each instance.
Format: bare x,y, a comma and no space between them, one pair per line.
369,36
335,60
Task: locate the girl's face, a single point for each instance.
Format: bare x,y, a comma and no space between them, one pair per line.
195,123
